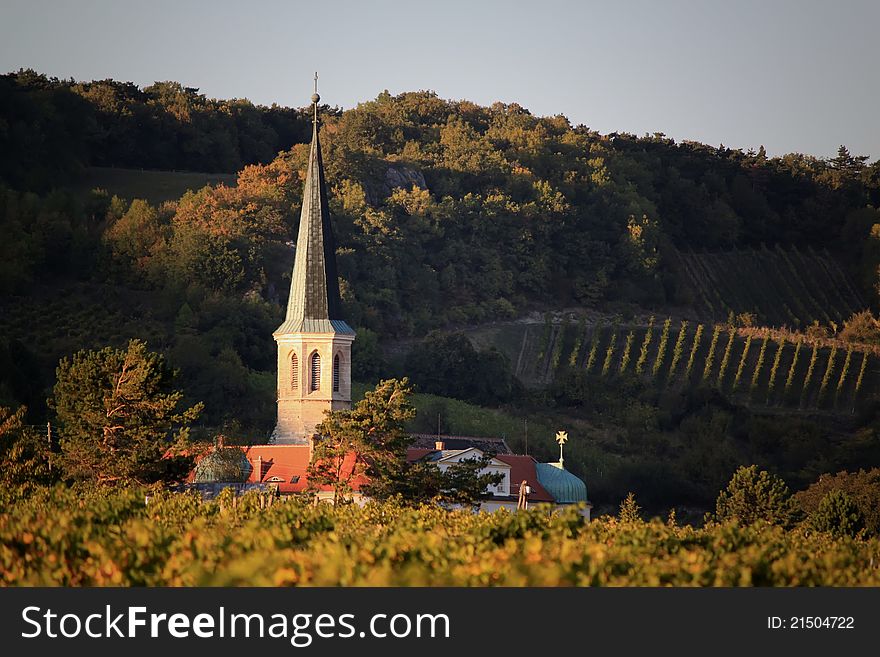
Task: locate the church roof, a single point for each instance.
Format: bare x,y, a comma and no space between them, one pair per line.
314,305
565,487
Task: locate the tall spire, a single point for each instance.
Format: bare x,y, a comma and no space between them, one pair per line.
314,305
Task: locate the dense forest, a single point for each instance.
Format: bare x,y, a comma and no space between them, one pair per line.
447,215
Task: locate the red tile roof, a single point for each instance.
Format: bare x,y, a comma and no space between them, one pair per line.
522,468
291,461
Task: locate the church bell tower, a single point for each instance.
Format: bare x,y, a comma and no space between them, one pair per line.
314,342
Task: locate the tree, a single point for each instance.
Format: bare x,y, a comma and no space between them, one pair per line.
422,482
629,510
449,365
838,515
119,415
752,496
368,440
25,458
862,488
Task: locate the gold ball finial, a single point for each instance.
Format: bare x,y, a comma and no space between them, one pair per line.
315,99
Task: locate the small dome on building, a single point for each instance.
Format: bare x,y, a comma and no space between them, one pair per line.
561,484
223,465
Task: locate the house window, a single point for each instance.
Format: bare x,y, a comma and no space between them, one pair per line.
315,383
294,372
275,480
336,373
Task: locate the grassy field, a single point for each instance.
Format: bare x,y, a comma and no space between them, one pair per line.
153,186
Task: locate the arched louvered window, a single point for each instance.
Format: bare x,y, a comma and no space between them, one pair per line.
336,373
315,383
294,372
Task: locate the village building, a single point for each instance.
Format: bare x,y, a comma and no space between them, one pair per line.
314,376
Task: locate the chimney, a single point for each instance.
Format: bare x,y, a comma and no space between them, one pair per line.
439,445
258,470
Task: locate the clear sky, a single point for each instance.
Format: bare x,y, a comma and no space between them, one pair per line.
793,75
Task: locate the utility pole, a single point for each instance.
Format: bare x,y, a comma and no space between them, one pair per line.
526,423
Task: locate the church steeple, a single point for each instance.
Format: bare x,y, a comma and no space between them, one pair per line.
314,304
314,342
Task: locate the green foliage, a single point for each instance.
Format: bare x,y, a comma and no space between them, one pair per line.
546,334
829,368
814,356
81,537
449,365
754,495
594,348
369,439
578,341
661,348
725,360
861,487
710,358
678,350
793,367
838,515
556,357
367,361
609,354
756,373
25,456
646,343
742,362
843,371
627,348
119,415
696,345
774,369
862,369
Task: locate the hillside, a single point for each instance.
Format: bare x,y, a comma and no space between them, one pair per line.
450,215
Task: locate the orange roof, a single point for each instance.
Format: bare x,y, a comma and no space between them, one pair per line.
289,463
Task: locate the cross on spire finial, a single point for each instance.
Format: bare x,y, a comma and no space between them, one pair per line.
561,438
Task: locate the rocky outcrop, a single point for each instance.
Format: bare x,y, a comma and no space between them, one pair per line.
397,176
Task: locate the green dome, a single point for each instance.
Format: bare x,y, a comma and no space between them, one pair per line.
561,484
226,465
